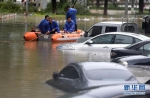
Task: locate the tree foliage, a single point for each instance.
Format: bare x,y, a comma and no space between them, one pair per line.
9,6
54,4
141,5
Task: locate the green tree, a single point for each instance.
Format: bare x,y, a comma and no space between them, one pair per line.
9,6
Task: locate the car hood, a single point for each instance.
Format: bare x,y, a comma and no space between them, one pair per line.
134,57
92,84
126,58
69,46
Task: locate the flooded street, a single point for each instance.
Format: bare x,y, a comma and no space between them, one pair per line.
26,66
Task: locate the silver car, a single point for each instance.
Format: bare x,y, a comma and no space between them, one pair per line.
105,42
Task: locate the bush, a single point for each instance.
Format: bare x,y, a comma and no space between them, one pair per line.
48,8
81,10
60,9
9,7
31,9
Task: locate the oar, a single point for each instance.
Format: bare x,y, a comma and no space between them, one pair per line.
37,37
74,3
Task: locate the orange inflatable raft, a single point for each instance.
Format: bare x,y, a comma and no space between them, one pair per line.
35,36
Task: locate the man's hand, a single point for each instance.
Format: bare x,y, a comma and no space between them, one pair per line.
53,30
47,32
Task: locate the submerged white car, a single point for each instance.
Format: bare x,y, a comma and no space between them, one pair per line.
105,42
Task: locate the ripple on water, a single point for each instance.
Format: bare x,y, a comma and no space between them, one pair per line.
142,73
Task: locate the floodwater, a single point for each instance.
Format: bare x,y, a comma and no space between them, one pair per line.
26,66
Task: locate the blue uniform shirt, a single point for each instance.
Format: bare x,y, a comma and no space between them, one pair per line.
72,13
44,26
54,25
69,26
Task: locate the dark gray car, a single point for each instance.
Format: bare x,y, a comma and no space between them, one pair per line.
142,60
140,48
88,75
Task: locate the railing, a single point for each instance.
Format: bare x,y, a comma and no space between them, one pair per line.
7,16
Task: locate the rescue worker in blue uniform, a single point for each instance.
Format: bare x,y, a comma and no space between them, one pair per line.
53,26
71,12
44,25
69,26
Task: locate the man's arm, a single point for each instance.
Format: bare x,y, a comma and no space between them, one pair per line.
56,25
72,28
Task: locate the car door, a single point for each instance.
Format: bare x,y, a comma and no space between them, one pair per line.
96,30
102,42
144,50
146,61
122,41
69,78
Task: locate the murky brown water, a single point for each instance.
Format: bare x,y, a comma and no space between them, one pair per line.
26,66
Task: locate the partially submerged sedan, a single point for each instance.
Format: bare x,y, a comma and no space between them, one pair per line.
88,75
140,48
105,42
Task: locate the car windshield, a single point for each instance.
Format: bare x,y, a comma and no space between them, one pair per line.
148,54
109,74
131,45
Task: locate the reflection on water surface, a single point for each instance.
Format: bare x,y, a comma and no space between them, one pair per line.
26,66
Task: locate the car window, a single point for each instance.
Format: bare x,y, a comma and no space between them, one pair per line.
104,39
70,72
146,48
111,29
129,29
123,39
137,40
137,96
95,31
109,74
133,45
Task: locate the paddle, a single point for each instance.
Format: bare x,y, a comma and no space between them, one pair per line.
74,3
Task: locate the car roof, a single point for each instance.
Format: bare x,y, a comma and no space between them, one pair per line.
101,65
140,36
115,23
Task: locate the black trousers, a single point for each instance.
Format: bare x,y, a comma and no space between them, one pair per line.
75,27
52,32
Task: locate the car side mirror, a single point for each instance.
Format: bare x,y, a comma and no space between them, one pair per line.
89,42
147,82
55,75
85,34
